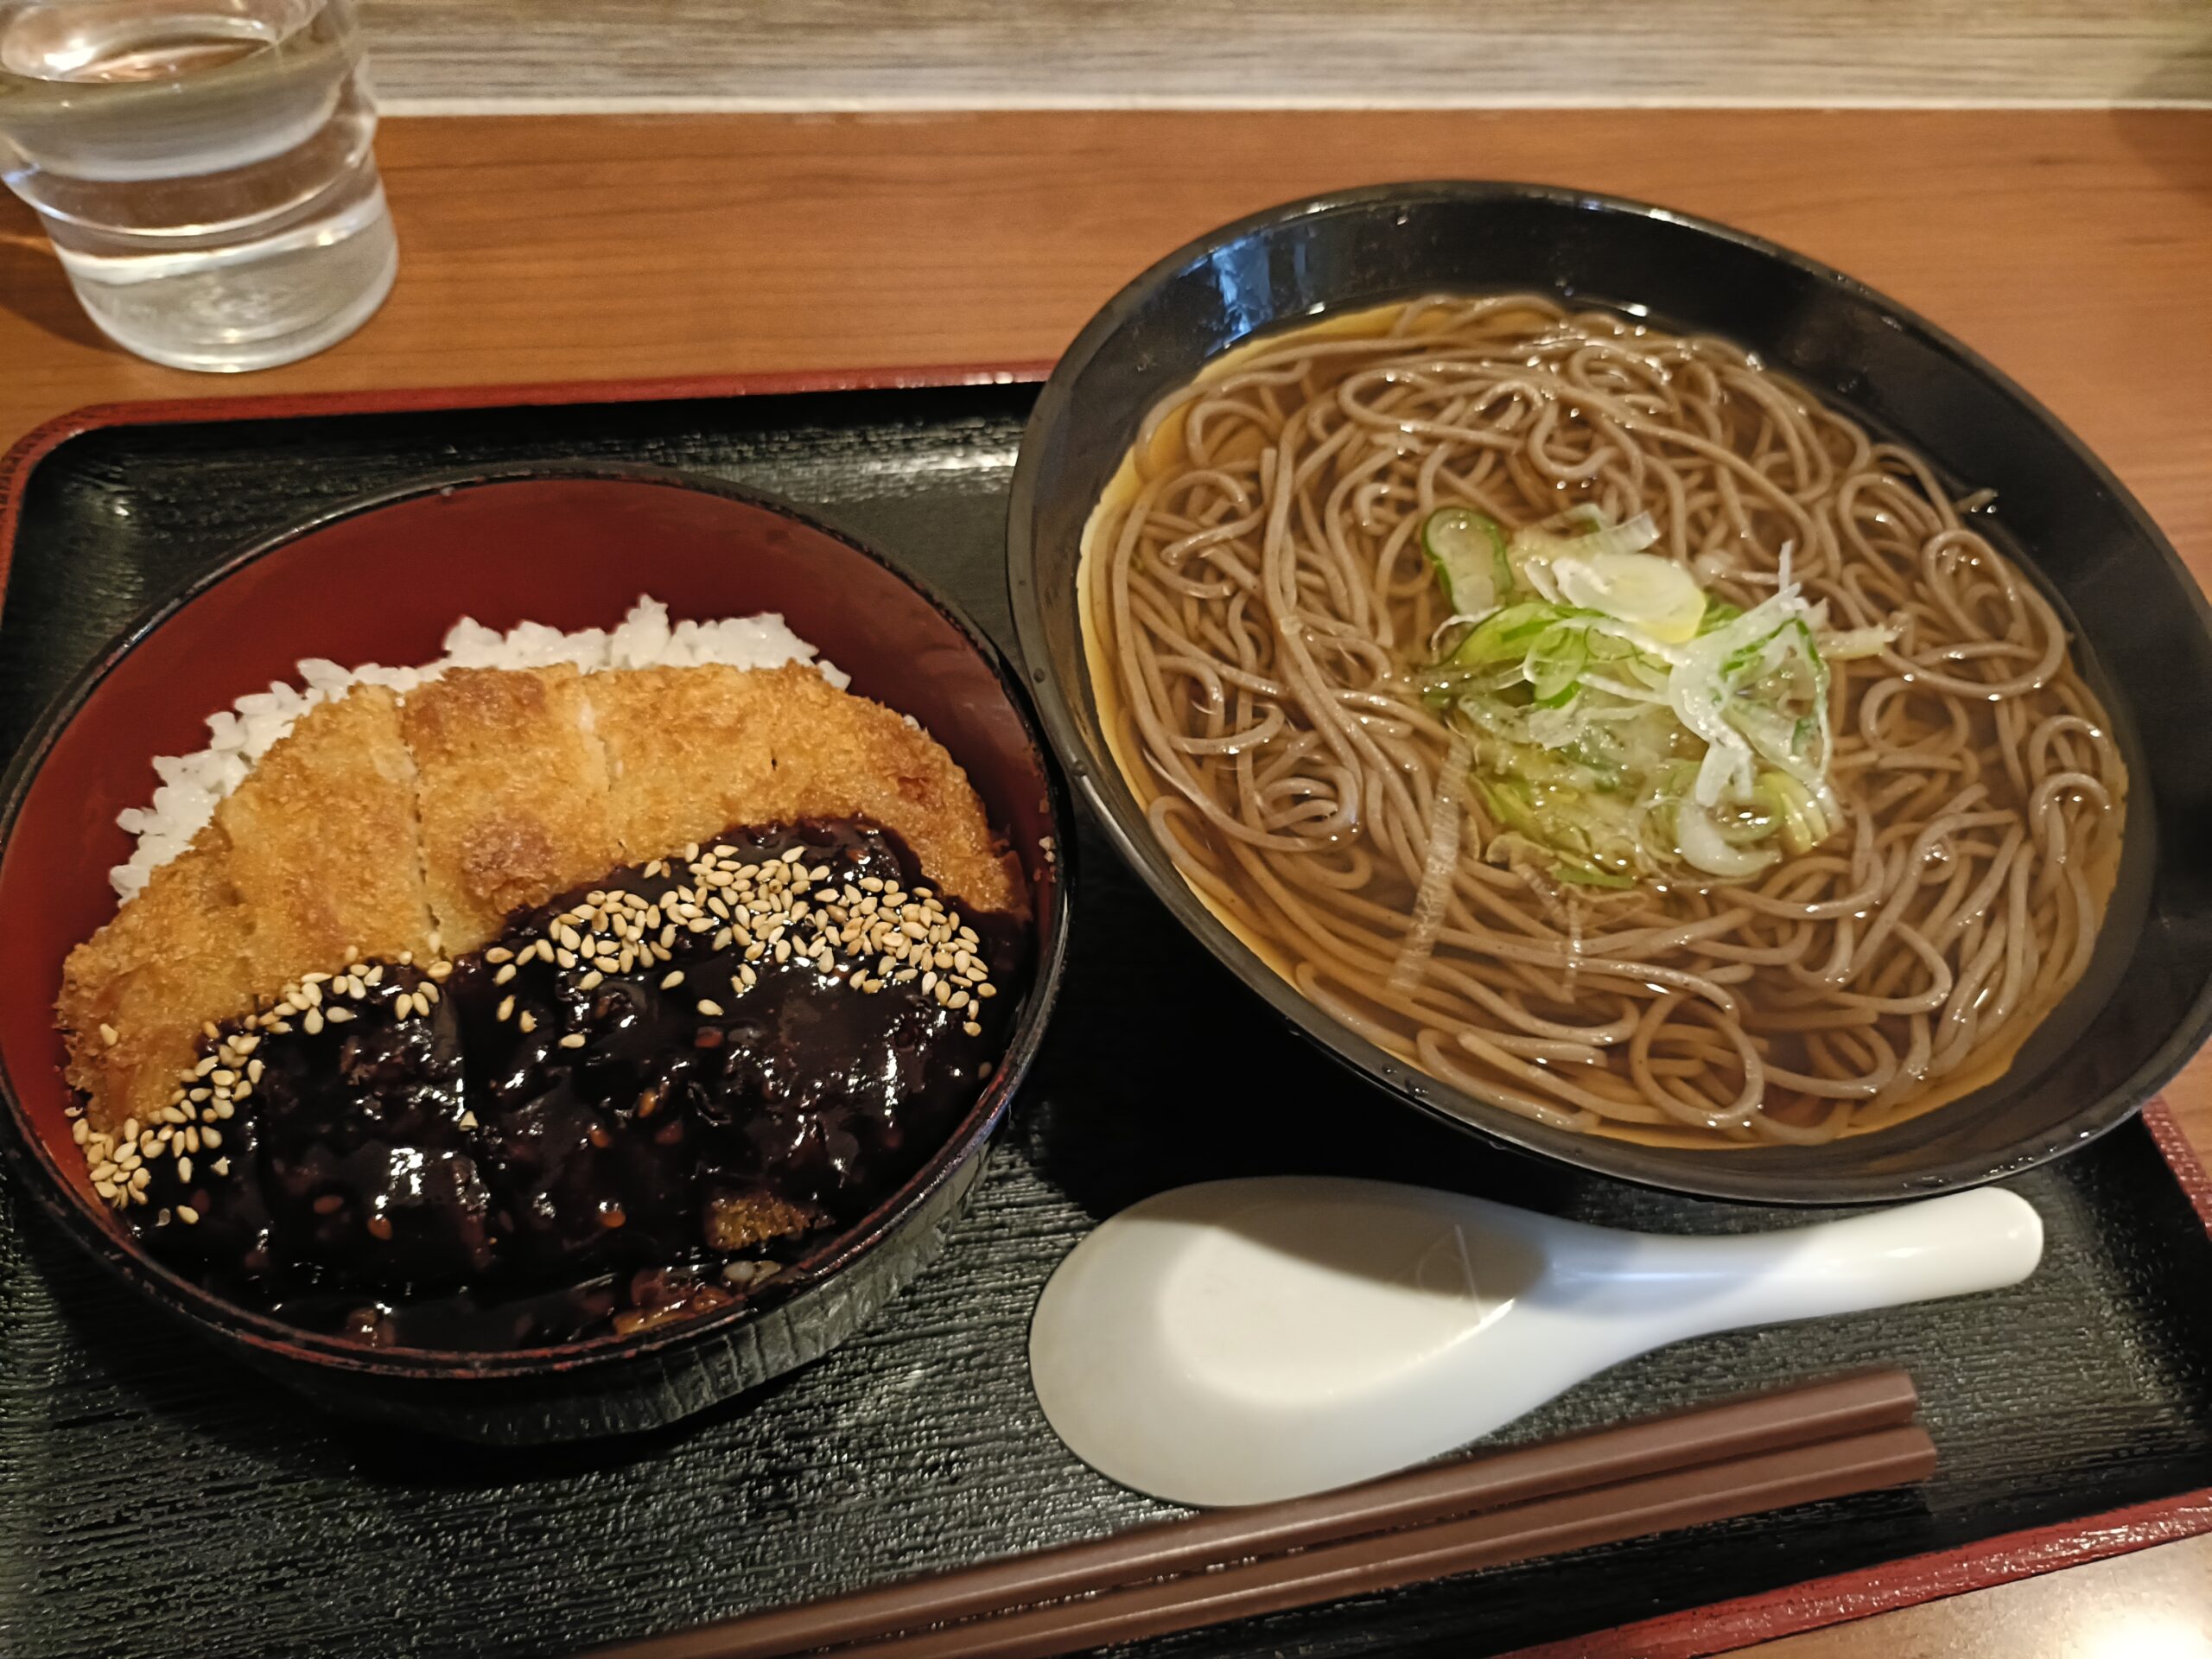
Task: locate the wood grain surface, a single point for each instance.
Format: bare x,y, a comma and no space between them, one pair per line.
441,56
2151,1605
2074,249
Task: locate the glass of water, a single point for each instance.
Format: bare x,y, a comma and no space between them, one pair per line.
204,169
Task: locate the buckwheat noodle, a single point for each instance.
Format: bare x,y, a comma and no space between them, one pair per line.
1256,596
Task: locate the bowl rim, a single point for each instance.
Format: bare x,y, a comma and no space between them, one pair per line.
35,1160
1732,1180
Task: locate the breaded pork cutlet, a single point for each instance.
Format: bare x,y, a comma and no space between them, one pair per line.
134,994
512,791
313,854
381,827
692,751
324,845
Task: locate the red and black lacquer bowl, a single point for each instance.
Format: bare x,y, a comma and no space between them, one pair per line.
381,580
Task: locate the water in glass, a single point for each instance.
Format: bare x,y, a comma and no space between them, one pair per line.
204,169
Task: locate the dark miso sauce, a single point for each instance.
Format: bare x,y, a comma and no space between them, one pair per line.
560,1144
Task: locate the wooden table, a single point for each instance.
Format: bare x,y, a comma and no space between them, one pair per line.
2072,248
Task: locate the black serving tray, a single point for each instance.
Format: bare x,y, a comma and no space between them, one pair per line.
159,1500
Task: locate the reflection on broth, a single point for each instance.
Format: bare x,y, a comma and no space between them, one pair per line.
1590,716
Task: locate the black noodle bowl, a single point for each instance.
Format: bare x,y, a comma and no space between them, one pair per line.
2140,1005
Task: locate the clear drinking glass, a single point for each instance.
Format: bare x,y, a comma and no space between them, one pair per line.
204,169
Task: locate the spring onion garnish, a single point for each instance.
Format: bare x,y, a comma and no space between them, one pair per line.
1624,725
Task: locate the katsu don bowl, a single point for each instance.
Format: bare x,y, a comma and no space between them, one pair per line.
586,929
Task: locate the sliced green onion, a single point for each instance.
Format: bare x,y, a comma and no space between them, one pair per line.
1467,550
1851,644
1698,840
1589,876
1556,662
1507,634
1805,822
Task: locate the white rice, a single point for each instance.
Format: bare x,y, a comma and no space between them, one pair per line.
192,784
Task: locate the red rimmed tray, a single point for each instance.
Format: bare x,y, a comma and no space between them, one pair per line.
186,1507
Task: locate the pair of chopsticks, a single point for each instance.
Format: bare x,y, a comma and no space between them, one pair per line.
1765,1452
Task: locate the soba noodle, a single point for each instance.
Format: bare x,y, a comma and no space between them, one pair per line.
1260,615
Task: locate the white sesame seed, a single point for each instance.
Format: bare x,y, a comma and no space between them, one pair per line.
504,974
188,1215
574,1039
591,981
339,1016
671,981
709,1006
110,1035
972,1029
528,1022
314,1022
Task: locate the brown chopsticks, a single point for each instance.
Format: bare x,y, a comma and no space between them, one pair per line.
1741,1457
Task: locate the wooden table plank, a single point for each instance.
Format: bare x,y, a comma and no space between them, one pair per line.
456,56
2074,249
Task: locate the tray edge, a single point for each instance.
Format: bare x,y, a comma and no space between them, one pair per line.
1713,1627
22,458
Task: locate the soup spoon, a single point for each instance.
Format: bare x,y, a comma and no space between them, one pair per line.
1243,1341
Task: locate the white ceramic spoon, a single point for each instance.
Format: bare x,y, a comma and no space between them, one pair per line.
1243,1341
